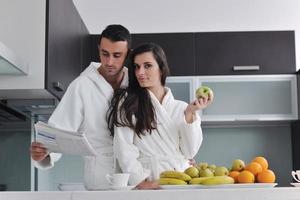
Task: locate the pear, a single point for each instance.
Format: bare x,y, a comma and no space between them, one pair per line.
221,171
238,165
206,173
192,172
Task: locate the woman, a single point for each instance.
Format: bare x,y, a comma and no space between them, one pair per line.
152,131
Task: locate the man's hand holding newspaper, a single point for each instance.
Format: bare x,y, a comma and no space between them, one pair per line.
61,141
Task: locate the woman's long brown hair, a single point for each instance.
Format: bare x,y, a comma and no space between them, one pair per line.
135,100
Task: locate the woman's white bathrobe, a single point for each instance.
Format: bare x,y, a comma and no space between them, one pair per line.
168,147
83,108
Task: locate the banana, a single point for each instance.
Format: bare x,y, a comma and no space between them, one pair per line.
218,180
175,174
171,181
196,181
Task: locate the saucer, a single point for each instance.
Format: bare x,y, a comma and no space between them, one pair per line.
296,184
129,187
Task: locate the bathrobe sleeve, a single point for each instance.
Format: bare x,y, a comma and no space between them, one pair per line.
127,155
68,115
47,163
190,134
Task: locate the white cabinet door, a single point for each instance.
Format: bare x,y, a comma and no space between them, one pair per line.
251,98
242,98
182,87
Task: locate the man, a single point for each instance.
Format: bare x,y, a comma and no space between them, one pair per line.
84,105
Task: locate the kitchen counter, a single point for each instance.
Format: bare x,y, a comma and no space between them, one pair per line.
280,193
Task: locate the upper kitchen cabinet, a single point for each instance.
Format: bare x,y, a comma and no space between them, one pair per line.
238,53
251,98
242,98
178,47
183,87
67,46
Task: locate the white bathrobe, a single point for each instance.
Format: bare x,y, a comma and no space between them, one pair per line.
83,108
167,148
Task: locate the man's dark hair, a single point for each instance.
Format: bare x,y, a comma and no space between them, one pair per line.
115,33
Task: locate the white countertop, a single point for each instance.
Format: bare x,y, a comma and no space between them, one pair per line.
280,193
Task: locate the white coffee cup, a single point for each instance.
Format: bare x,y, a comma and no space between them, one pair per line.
118,180
296,175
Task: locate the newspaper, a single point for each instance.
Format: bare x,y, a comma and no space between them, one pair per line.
61,141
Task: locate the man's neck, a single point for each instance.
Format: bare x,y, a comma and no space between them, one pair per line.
115,81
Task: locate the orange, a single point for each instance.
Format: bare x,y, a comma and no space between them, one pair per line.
246,177
262,161
266,176
234,175
254,168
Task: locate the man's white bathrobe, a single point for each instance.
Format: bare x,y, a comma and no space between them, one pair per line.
83,109
167,148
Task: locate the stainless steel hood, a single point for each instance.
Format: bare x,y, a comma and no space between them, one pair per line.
15,113
10,64
8,114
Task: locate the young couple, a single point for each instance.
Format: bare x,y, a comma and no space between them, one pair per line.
141,126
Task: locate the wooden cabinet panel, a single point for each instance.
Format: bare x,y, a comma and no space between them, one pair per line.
66,43
179,49
217,53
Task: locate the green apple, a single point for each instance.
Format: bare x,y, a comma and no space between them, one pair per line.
206,173
238,165
203,91
202,165
212,167
192,172
221,171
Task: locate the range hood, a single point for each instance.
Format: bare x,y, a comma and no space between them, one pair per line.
9,114
10,64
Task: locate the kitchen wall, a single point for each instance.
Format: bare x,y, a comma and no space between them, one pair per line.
23,31
69,169
221,145
15,161
193,15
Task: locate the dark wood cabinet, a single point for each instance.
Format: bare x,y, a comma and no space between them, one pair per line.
272,51
222,53
179,49
67,46
295,144
94,41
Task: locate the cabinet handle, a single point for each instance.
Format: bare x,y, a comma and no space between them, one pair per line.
58,86
246,68
247,119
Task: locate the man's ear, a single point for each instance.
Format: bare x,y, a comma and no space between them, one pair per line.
127,59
